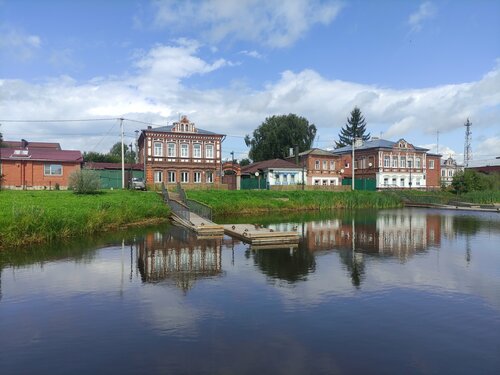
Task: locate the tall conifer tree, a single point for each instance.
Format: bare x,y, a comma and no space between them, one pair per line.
354,128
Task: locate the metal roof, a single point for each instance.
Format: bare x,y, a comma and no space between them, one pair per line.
373,143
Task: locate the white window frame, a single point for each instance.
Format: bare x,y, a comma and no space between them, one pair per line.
197,150
395,162
184,177
387,161
431,164
158,177
209,151
171,150
184,150
171,177
325,165
197,177
209,177
417,163
402,162
332,165
52,170
317,165
157,148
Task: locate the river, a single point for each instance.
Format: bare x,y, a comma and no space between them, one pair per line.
410,291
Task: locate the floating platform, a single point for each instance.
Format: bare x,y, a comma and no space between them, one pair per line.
201,226
256,235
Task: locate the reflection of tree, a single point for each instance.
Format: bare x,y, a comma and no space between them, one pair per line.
355,265
466,224
284,264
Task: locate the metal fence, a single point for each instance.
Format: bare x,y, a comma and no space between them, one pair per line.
200,209
178,208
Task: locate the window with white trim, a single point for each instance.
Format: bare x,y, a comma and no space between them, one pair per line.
184,150
171,150
316,164
431,164
325,165
184,177
417,163
171,177
209,151
386,181
209,175
332,165
197,177
394,161
387,161
158,149
402,182
402,162
158,176
197,150
52,170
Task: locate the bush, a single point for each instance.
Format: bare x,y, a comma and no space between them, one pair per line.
468,180
85,181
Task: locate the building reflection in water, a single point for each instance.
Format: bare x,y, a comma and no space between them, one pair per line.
178,256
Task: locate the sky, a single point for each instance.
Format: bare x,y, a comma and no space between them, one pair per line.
416,69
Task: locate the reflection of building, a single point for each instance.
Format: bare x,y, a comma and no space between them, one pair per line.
179,256
398,233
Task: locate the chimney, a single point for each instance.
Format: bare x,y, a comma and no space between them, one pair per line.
150,127
291,152
24,143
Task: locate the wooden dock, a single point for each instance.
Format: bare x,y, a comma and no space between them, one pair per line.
256,235
201,226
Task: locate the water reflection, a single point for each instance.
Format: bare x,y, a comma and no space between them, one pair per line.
178,255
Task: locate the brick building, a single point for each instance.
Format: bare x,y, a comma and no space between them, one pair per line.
181,152
37,165
321,167
391,164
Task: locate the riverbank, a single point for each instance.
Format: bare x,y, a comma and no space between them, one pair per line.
41,216
233,202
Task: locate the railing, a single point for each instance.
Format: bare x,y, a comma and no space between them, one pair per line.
179,209
200,209
181,193
164,193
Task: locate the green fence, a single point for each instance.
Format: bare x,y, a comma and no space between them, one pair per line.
113,178
253,183
361,183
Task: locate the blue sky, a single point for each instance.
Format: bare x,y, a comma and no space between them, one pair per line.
413,67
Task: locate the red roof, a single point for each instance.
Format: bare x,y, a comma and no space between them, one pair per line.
41,154
30,145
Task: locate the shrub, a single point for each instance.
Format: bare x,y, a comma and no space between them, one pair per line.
469,180
85,181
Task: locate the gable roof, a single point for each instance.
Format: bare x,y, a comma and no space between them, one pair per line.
373,143
168,129
316,151
27,144
42,154
268,164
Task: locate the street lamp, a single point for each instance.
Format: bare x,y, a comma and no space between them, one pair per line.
258,181
409,166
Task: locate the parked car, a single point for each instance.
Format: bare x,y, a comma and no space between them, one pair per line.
138,184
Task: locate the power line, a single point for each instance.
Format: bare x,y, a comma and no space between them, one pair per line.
77,120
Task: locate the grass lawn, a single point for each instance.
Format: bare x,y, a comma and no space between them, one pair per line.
39,216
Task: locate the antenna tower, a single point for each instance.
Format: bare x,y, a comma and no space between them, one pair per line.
467,146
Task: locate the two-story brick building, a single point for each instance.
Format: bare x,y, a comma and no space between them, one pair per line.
391,164
321,167
181,152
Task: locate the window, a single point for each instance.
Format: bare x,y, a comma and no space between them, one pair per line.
386,181
443,173
450,173
171,176
171,150
431,164
325,165
410,163
395,162
158,149
52,170
417,162
209,176
332,165
333,182
418,181
197,150
184,150
387,161
316,164
158,176
356,164
197,177
394,181
402,182
316,182
209,151
402,162
184,177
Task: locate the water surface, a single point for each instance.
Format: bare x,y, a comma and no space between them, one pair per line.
390,291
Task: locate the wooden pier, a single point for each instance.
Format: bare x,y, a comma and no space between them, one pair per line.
256,235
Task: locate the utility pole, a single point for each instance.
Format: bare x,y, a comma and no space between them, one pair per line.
232,157
352,163
123,154
437,142
467,145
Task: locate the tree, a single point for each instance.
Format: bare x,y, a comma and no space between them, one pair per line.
84,181
469,180
277,134
244,162
355,128
113,156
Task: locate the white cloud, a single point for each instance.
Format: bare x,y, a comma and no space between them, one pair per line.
425,11
157,92
271,22
18,45
253,53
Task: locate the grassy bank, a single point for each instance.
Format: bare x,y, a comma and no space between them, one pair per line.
255,201
40,216
445,197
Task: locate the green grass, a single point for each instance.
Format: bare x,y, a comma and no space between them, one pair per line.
254,201
445,197
481,197
40,216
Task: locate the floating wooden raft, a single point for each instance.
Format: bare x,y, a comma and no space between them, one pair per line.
201,226
256,235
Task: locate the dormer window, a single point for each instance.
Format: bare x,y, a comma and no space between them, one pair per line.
184,126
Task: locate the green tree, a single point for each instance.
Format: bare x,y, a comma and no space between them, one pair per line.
354,128
244,162
470,180
277,134
113,156
84,181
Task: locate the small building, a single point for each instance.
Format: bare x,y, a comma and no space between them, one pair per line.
485,166
110,174
321,167
37,165
181,152
389,165
449,168
268,173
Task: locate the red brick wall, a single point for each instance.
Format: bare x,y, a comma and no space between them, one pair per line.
433,176
30,175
